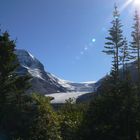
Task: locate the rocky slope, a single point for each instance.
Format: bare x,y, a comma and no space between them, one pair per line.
44,82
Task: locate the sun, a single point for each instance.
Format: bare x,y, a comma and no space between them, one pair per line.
134,3
137,2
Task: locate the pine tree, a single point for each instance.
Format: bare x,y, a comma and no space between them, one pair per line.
115,42
12,88
112,116
135,44
8,64
114,112
124,57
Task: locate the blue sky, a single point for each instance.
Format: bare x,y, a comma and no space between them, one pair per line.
67,36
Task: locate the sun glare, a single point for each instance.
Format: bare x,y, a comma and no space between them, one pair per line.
137,2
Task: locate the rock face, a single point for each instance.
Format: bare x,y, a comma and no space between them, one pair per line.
44,82
41,81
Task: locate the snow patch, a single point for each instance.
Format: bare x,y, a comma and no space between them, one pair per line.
62,97
34,72
31,56
64,83
89,82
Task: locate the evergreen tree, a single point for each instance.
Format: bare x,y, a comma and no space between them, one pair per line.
112,116
12,88
115,42
135,44
124,57
8,64
114,112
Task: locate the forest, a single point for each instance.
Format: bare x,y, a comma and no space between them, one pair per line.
113,113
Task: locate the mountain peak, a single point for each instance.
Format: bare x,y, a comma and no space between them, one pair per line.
45,82
26,59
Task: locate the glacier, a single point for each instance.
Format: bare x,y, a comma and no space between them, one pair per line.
48,84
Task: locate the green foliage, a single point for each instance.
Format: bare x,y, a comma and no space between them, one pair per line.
29,117
113,114
71,117
125,57
135,45
114,42
45,124
12,89
8,64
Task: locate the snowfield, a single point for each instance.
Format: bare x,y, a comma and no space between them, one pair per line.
62,97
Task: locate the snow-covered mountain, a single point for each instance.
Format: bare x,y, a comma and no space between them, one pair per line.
44,82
